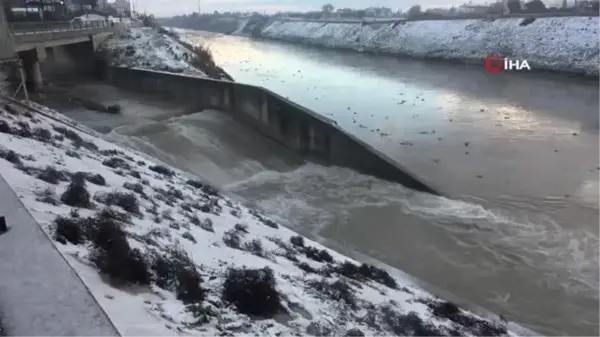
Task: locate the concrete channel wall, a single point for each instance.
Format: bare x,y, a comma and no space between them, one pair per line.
7,43
315,137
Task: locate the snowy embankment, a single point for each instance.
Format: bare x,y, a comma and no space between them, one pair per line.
567,44
147,48
158,49
166,254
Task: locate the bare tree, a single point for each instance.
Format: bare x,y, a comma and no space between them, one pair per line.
535,6
414,11
514,6
327,8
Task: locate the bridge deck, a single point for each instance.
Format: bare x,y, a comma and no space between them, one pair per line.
28,35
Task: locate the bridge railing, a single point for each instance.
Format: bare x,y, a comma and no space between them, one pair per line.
32,28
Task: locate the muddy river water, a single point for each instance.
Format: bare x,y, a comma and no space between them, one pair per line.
517,154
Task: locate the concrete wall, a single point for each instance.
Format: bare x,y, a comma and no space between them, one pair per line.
308,133
7,43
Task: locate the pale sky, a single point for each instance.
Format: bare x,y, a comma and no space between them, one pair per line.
164,8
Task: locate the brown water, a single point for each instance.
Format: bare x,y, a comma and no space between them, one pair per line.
517,154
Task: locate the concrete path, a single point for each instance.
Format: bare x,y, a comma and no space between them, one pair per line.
40,294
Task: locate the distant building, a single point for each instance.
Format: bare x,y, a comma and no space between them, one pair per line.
344,10
7,49
78,5
123,7
438,11
474,9
497,7
379,12
587,5
34,9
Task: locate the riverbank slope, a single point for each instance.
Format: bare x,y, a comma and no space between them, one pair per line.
163,252
567,44
162,50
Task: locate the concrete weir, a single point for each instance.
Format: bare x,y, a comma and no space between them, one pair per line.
313,136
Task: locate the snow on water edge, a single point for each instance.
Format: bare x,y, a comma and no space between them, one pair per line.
163,215
567,44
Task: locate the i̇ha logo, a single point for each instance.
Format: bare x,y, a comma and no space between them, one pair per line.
496,64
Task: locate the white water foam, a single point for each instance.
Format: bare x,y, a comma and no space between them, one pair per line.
312,197
316,196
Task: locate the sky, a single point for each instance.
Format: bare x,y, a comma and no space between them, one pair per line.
163,8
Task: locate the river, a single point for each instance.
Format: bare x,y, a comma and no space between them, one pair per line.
516,153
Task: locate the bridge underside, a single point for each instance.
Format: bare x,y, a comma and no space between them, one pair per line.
53,54
51,46
51,43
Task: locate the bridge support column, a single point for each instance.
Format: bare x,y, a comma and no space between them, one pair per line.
31,63
35,76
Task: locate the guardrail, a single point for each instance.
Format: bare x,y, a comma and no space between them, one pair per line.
33,28
372,21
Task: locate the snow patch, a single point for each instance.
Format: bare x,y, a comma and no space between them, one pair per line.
558,43
147,48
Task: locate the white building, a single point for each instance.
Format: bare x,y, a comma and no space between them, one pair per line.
123,7
378,12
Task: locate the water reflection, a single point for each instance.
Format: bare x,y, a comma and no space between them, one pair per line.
524,146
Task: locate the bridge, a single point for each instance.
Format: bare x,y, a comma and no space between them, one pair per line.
32,43
29,35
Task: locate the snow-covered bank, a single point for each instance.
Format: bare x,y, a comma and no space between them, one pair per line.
158,49
567,44
186,247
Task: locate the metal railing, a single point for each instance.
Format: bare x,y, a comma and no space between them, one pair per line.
33,28
425,17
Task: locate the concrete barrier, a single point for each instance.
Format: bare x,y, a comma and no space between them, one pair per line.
425,17
315,137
